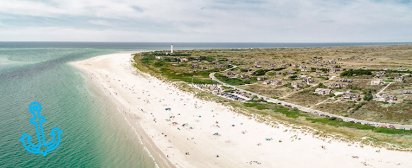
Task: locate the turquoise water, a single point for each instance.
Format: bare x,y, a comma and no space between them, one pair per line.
92,135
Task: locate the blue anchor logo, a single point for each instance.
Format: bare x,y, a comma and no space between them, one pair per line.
43,146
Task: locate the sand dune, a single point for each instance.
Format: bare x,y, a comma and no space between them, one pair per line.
181,130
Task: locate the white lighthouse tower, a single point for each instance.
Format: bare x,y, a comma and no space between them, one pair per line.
171,49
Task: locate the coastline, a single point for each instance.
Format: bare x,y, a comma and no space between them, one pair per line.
119,109
196,133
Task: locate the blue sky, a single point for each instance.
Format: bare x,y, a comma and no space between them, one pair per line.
207,20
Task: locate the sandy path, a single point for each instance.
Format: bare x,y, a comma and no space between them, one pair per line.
197,133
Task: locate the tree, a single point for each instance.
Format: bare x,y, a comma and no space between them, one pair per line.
368,96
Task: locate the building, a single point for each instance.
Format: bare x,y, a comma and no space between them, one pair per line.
337,85
183,59
334,70
376,82
304,68
258,65
297,85
272,65
272,82
308,80
260,78
322,74
291,72
387,98
244,76
380,74
171,48
331,61
345,80
283,66
231,74
351,96
400,79
407,92
323,91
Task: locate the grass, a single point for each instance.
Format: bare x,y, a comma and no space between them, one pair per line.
267,111
340,123
197,77
381,112
291,113
261,105
201,77
295,113
267,90
261,72
234,81
164,68
306,97
388,80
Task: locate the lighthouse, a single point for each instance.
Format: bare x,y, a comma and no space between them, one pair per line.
171,49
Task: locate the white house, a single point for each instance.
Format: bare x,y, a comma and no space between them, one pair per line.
322,91
376,82
400,79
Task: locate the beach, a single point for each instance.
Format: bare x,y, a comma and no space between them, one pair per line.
181,130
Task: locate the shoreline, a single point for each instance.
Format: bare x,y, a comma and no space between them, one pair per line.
153,152
198,136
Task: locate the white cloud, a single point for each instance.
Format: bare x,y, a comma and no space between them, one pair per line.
210,20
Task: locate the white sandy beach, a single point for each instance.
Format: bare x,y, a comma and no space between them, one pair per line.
197,133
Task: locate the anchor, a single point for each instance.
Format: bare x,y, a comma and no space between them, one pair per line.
43,146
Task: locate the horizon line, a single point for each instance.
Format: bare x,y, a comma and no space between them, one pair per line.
202,42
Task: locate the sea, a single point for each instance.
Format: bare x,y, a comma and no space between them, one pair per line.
93,135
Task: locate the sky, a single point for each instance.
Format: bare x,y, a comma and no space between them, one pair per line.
206,20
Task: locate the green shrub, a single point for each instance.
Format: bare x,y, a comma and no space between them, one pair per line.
340,123
321,85
260,72
357,72
159,64
232,81
147,59
368,95
293,77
